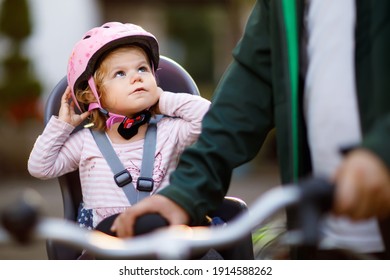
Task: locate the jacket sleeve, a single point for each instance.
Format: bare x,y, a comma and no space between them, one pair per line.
233,130
372,72
378,139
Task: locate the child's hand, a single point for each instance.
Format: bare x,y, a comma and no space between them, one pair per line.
67,113
155,108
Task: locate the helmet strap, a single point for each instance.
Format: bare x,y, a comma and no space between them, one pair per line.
129,126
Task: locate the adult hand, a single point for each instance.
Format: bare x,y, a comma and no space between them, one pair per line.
173,213
67,113
363,186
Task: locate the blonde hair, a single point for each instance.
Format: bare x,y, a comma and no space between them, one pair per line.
85,97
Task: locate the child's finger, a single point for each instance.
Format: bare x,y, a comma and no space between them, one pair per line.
66,95
85,115
71,107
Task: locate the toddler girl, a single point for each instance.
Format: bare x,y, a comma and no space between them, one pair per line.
111,78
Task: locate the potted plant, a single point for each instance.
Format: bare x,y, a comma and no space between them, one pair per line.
19,88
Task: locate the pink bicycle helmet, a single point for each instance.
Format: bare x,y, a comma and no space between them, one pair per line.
95,43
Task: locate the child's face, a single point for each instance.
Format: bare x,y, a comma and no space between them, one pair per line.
129,85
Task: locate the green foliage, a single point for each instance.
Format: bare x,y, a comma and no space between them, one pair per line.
20,83
15,19
19,86
193,31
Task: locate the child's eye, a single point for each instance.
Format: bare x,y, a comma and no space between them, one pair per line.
143,69
120,74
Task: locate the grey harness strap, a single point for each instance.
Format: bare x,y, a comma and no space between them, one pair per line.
122,176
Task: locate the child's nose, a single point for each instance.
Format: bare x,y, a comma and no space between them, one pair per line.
136,77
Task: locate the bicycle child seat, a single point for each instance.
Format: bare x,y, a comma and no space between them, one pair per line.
170,77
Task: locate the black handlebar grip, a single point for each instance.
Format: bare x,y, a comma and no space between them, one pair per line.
148,223
20,217
316,199
318,191
143,224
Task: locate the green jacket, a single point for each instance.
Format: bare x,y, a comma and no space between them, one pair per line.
262,90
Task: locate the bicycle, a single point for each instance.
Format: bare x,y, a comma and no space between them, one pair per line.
313,197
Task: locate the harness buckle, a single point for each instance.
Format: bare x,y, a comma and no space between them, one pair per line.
145,184
123,178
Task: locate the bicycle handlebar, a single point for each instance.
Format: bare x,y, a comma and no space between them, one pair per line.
158,244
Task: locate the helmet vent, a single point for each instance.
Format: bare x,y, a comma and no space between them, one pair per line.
86,37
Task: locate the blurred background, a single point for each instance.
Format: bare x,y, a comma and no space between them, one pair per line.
36,39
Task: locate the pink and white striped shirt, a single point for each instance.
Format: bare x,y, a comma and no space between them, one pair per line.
57,152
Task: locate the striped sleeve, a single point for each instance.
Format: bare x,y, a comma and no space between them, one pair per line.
190,109
55,151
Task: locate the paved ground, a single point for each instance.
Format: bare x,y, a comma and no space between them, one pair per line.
248,183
